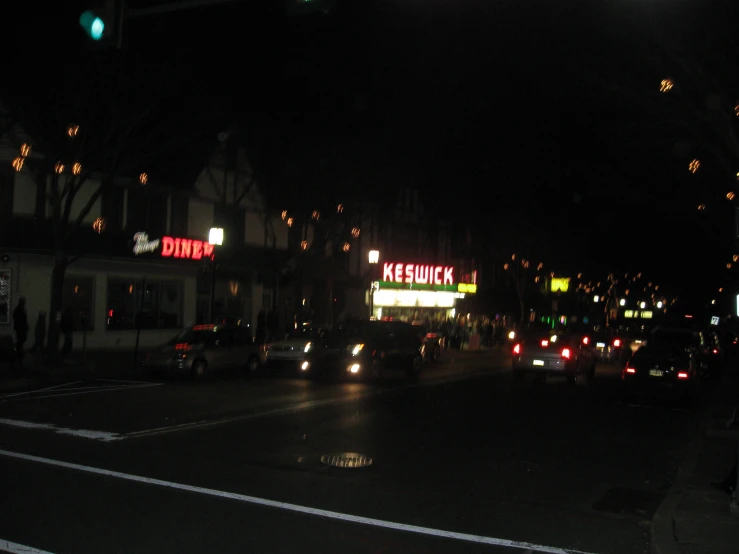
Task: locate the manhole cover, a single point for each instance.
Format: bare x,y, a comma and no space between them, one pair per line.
346,459
635,502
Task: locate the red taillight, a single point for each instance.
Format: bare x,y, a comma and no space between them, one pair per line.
715,351
585,340
517,349
617,343
183,346
566,353
682,374
545,343
630,370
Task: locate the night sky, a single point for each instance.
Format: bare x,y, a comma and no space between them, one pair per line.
518,117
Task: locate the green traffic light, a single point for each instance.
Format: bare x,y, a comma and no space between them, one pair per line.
93,25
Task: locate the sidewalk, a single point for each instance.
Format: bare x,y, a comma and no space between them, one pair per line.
695,518
95,364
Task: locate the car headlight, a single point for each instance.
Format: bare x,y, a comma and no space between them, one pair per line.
354,348
308,347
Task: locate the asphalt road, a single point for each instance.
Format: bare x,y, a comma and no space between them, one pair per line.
466,460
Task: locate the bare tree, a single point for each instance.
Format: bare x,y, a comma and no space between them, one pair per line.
105,126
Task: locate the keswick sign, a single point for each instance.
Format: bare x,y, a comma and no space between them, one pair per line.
172,247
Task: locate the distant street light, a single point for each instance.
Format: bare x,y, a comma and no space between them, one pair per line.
374,259
215,237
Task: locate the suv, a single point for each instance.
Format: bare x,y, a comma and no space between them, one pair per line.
201,349
367,350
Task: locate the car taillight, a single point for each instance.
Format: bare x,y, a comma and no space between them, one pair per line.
630,370
715,351
544,343
183,347
517,349
566,353
585,340
617,343
682,374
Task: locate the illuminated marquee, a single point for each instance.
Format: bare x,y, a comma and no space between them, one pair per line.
418,274
560,284
173,247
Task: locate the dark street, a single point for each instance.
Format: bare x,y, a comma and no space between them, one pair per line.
467,460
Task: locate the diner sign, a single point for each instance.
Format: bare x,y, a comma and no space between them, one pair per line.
173,247
418,273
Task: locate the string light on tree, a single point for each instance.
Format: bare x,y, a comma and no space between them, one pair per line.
355,232
284,215
18,163
315,215
346,247
77,168
340,209
143,178
99,225
694,165
290,221
701,207
730,195
58,168
25,150
666,85
73,131
304,245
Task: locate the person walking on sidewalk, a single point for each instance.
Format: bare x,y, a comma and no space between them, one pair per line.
20,326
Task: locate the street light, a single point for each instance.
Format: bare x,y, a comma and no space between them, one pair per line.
373,258
215,237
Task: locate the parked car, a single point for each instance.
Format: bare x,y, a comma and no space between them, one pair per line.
200,350
367,350
555,353
292,351
669,365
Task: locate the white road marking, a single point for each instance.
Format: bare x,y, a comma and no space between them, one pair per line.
286,506
94,390
15,548
38,390
125,381
106,436
83,433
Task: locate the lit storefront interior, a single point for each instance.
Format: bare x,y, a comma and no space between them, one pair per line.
416,292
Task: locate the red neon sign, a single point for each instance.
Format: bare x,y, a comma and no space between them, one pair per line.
173,247
418,273
186,248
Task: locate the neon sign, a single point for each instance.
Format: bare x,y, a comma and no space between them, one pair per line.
173,247
418,273
141,243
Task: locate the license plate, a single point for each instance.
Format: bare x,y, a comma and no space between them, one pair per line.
601,345
538,362
656,373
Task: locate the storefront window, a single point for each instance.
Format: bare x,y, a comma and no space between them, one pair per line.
121,304
5,308
159,302
77,296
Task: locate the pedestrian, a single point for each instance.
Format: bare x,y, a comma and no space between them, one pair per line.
20,326
39,333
